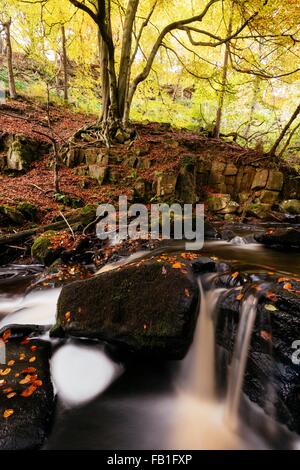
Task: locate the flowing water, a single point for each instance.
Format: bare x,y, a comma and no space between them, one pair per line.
147,405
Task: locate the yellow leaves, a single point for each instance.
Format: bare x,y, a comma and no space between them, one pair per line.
11,395
271,308
7,413
11,363
22,356
68,316
2,382
5,371
32,359
235,275
287,286
177,265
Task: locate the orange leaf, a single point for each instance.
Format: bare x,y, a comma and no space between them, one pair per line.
5,371
33,348
235,275
266,335
239,297
29,370
8,413
28,391
177,265
11,363
26,380
32,359
11,395
287,286
7,390
6,335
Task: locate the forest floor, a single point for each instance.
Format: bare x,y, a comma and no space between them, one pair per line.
165,148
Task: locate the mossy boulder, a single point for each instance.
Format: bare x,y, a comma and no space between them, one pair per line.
41,248
148,308
10,216
292,206
28,210
22,152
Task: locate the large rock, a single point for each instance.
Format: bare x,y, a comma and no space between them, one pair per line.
26,392
269,197
11,216
260,179
22,151
292,206
281,237
98,172
272,379
217,202
165,185
275,181
149,307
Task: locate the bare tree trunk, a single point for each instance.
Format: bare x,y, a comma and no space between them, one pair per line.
253,106
65,64
284,131
124,71
103,55
9,54
2,48
217,128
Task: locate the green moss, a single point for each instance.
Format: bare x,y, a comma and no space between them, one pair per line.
28,210
40,247
11,215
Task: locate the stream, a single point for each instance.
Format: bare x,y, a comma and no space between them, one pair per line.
103,404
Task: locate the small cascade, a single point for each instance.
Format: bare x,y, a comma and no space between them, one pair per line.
200,362
239,359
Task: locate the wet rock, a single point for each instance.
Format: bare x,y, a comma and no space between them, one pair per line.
186,182
258,210
292,206
284,238
272,378
149,307
26,392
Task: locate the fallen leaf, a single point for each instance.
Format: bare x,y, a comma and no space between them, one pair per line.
6,335
11,395
7,413
26,380
239,297
22,357
164,270
33,348
11,362
5,371
265,335
7,390
28,391
32,359
29,370
287,286
271,308
177,265
235,275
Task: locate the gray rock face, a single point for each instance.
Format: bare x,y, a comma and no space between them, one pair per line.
22,152
26,392
148,308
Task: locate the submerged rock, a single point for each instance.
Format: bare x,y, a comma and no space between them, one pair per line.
26,392
281,237
149,307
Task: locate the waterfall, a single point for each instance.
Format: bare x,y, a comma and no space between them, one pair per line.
200,362
239,359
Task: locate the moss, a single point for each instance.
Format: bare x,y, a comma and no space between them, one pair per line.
40,247
11,215
28,210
